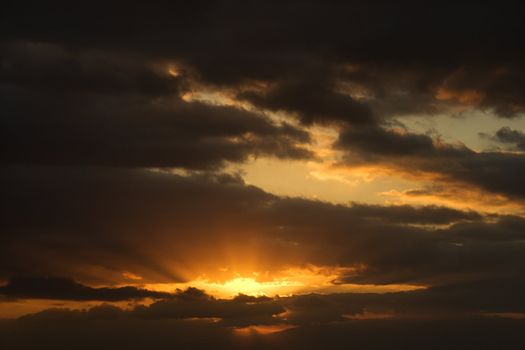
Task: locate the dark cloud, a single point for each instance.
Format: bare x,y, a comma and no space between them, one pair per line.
399,54
101,215
314,100
67,107
463,315
489,87
379,142
458,334
72,221
53,67
251,299
190,303
234,312
132,132
467,333
88,102
407,214
464,333
417,153
74,93
508,136
457,300
463,299
104,334
68,289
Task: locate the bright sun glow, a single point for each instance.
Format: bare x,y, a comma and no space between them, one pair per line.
287,282
249,286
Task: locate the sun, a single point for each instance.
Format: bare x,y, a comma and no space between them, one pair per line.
284,283
248,286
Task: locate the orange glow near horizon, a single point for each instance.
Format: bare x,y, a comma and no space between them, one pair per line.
292,281
285,283
262,329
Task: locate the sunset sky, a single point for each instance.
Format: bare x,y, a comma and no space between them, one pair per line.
262,174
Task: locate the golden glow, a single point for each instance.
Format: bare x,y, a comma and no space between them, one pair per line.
248,286
466,97
458,197
262,329
284,283
322,181
17,308
131,276
172,71
325,179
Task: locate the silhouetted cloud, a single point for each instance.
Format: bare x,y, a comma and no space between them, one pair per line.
68,289
465,316
116,111
313,100
101,100
491,171
68,221
508,136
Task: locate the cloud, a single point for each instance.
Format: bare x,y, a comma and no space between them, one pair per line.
89,102
405,214
68,289
95,224
235,312
380,142
508,136
491,296
463,313
415,154
62,70
465,333
304,62
314,100
190,303
79,107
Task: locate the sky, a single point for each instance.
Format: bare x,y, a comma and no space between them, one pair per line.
262,174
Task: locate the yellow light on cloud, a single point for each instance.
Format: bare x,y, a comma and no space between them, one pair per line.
284,283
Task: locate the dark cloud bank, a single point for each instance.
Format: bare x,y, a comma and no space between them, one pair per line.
72,220
86,84
87,103
193,319
67,289
65,220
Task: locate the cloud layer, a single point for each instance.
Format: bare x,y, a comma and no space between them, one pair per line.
100,223
125,129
